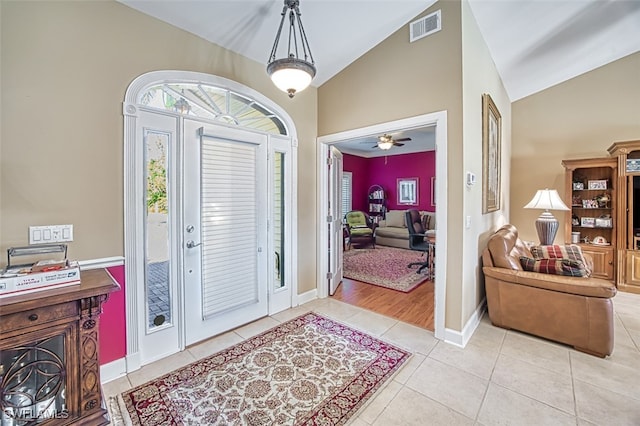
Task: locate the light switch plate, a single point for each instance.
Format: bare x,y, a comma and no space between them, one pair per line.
50,234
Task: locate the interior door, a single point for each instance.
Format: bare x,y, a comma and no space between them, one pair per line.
335,220
224,229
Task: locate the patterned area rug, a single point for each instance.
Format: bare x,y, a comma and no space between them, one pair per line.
384,266
308,371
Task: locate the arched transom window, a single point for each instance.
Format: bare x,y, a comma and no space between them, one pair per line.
213,103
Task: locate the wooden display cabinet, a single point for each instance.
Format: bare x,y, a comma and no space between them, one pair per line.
591,190
628,157
49,346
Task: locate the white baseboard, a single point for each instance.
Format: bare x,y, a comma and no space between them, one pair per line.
461,339
105,262
113,370
308,296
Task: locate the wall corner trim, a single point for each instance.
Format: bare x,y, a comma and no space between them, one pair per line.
461,339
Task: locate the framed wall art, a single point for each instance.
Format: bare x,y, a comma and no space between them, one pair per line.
408,191
491,141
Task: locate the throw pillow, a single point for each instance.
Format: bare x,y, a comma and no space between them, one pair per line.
571,252
395,218
567,267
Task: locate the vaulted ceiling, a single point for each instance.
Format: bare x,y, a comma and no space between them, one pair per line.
535,44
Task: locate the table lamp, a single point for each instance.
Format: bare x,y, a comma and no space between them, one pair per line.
546,225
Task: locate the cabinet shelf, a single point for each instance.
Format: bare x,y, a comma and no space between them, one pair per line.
590,208
586,170
592,227
376,202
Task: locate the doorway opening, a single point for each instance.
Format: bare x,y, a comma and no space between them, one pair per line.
354,290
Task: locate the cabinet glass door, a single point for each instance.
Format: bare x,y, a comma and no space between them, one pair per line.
32,382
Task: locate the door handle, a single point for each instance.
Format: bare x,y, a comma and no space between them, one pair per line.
192,244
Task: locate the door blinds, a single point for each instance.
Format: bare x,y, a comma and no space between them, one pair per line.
229,225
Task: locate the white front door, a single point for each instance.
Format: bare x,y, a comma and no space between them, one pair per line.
335,219
224,228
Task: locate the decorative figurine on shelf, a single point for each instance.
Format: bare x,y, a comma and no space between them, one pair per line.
576,200
603,200
575,220
578,183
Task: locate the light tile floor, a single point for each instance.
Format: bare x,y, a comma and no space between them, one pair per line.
500,378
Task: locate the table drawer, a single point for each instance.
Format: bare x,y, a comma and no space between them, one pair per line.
36,316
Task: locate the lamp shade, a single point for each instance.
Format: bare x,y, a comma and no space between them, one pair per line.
546,199
546,225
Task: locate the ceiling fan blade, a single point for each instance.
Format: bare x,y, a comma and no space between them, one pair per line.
398,144
375,146
403,139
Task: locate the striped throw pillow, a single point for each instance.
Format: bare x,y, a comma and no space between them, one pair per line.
571,252
567,267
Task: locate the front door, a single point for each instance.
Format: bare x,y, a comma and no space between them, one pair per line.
224,229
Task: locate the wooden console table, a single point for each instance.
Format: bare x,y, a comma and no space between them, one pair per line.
49,347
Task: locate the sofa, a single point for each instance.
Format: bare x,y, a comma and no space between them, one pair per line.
393,231
574,310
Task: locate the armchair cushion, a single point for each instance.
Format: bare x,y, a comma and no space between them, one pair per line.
356,219
572,268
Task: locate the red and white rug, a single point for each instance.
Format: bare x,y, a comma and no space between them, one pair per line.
385,267
308,371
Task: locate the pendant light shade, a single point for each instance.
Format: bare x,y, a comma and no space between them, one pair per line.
292,73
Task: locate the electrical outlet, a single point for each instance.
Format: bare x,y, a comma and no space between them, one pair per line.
50,234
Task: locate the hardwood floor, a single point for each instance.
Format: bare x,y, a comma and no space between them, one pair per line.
415,307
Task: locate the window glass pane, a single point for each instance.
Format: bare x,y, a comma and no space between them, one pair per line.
157,277
278,219
213,103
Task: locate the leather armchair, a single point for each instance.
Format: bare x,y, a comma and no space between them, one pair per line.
577,311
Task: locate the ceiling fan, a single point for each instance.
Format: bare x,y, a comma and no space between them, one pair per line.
386,142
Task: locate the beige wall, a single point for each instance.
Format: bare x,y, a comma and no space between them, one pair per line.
579,118
65,69
479,76
397,79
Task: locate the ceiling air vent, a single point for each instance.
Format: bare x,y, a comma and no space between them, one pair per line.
425,26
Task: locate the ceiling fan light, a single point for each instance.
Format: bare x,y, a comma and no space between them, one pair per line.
385,145
291,75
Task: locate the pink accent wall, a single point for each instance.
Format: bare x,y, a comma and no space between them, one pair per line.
385,171
113,332
359,166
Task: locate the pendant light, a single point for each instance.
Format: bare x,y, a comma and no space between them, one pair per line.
292,73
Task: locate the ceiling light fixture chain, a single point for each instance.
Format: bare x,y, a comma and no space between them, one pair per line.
291,73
